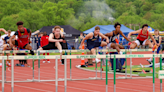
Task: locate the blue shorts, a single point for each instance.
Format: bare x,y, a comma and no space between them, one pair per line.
96,44
158,49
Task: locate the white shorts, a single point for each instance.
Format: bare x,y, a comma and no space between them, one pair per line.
138,42
109,45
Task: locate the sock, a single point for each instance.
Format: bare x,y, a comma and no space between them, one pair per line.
31,52
8,62
0,63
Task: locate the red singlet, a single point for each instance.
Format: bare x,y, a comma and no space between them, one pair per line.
142,37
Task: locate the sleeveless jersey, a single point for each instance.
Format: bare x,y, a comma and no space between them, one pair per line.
142,37
24,38
93,42
113,37
56,38
156,39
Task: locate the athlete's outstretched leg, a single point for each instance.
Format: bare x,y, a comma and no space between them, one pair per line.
28,47
58,45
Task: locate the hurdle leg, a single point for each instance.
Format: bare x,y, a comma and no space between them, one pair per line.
12,74
65,74
70,67
5,69
33,70
153,74
3,74
96,65
114,66
125,66
106,74
56,73
130,65
160,69
101,69
39,67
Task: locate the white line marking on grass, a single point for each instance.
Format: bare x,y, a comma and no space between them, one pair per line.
31,88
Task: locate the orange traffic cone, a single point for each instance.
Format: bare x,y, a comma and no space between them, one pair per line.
82,59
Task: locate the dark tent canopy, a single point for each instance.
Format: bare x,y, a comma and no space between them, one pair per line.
69,32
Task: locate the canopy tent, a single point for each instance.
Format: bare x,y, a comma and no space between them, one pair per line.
108,28
69,32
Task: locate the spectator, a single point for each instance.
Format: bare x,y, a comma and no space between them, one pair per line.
43,42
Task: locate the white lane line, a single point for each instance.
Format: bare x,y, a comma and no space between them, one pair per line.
31,88
74,88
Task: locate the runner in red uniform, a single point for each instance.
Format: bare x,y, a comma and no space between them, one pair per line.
142,38
23,38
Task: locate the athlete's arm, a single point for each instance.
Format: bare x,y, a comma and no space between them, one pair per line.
3,30
103,36
160,39
120,32
109,34
152,38
10,40
29,34
86,38
50,39
134,32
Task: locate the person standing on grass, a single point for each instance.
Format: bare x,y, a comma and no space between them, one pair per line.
44,41
93,41
23,38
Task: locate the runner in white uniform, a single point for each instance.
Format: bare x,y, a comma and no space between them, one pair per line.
1,43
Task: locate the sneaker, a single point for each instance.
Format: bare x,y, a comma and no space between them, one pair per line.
0,65
97,61
150,62
44,61
141,65
22,66
49,62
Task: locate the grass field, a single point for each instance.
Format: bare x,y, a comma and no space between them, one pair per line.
134,68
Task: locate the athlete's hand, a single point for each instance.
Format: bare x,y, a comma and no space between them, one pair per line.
64,41
107,40
61,40
6,32
129,37
80,47
11,45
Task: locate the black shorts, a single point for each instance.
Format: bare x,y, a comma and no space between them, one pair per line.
49,46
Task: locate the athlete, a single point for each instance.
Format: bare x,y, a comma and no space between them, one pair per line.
157,38
142,38
23,38
112,38
1,43
93,41
56,38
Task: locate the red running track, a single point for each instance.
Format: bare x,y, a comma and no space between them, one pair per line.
48,73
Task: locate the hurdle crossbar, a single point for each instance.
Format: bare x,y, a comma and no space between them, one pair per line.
82,56
57,51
